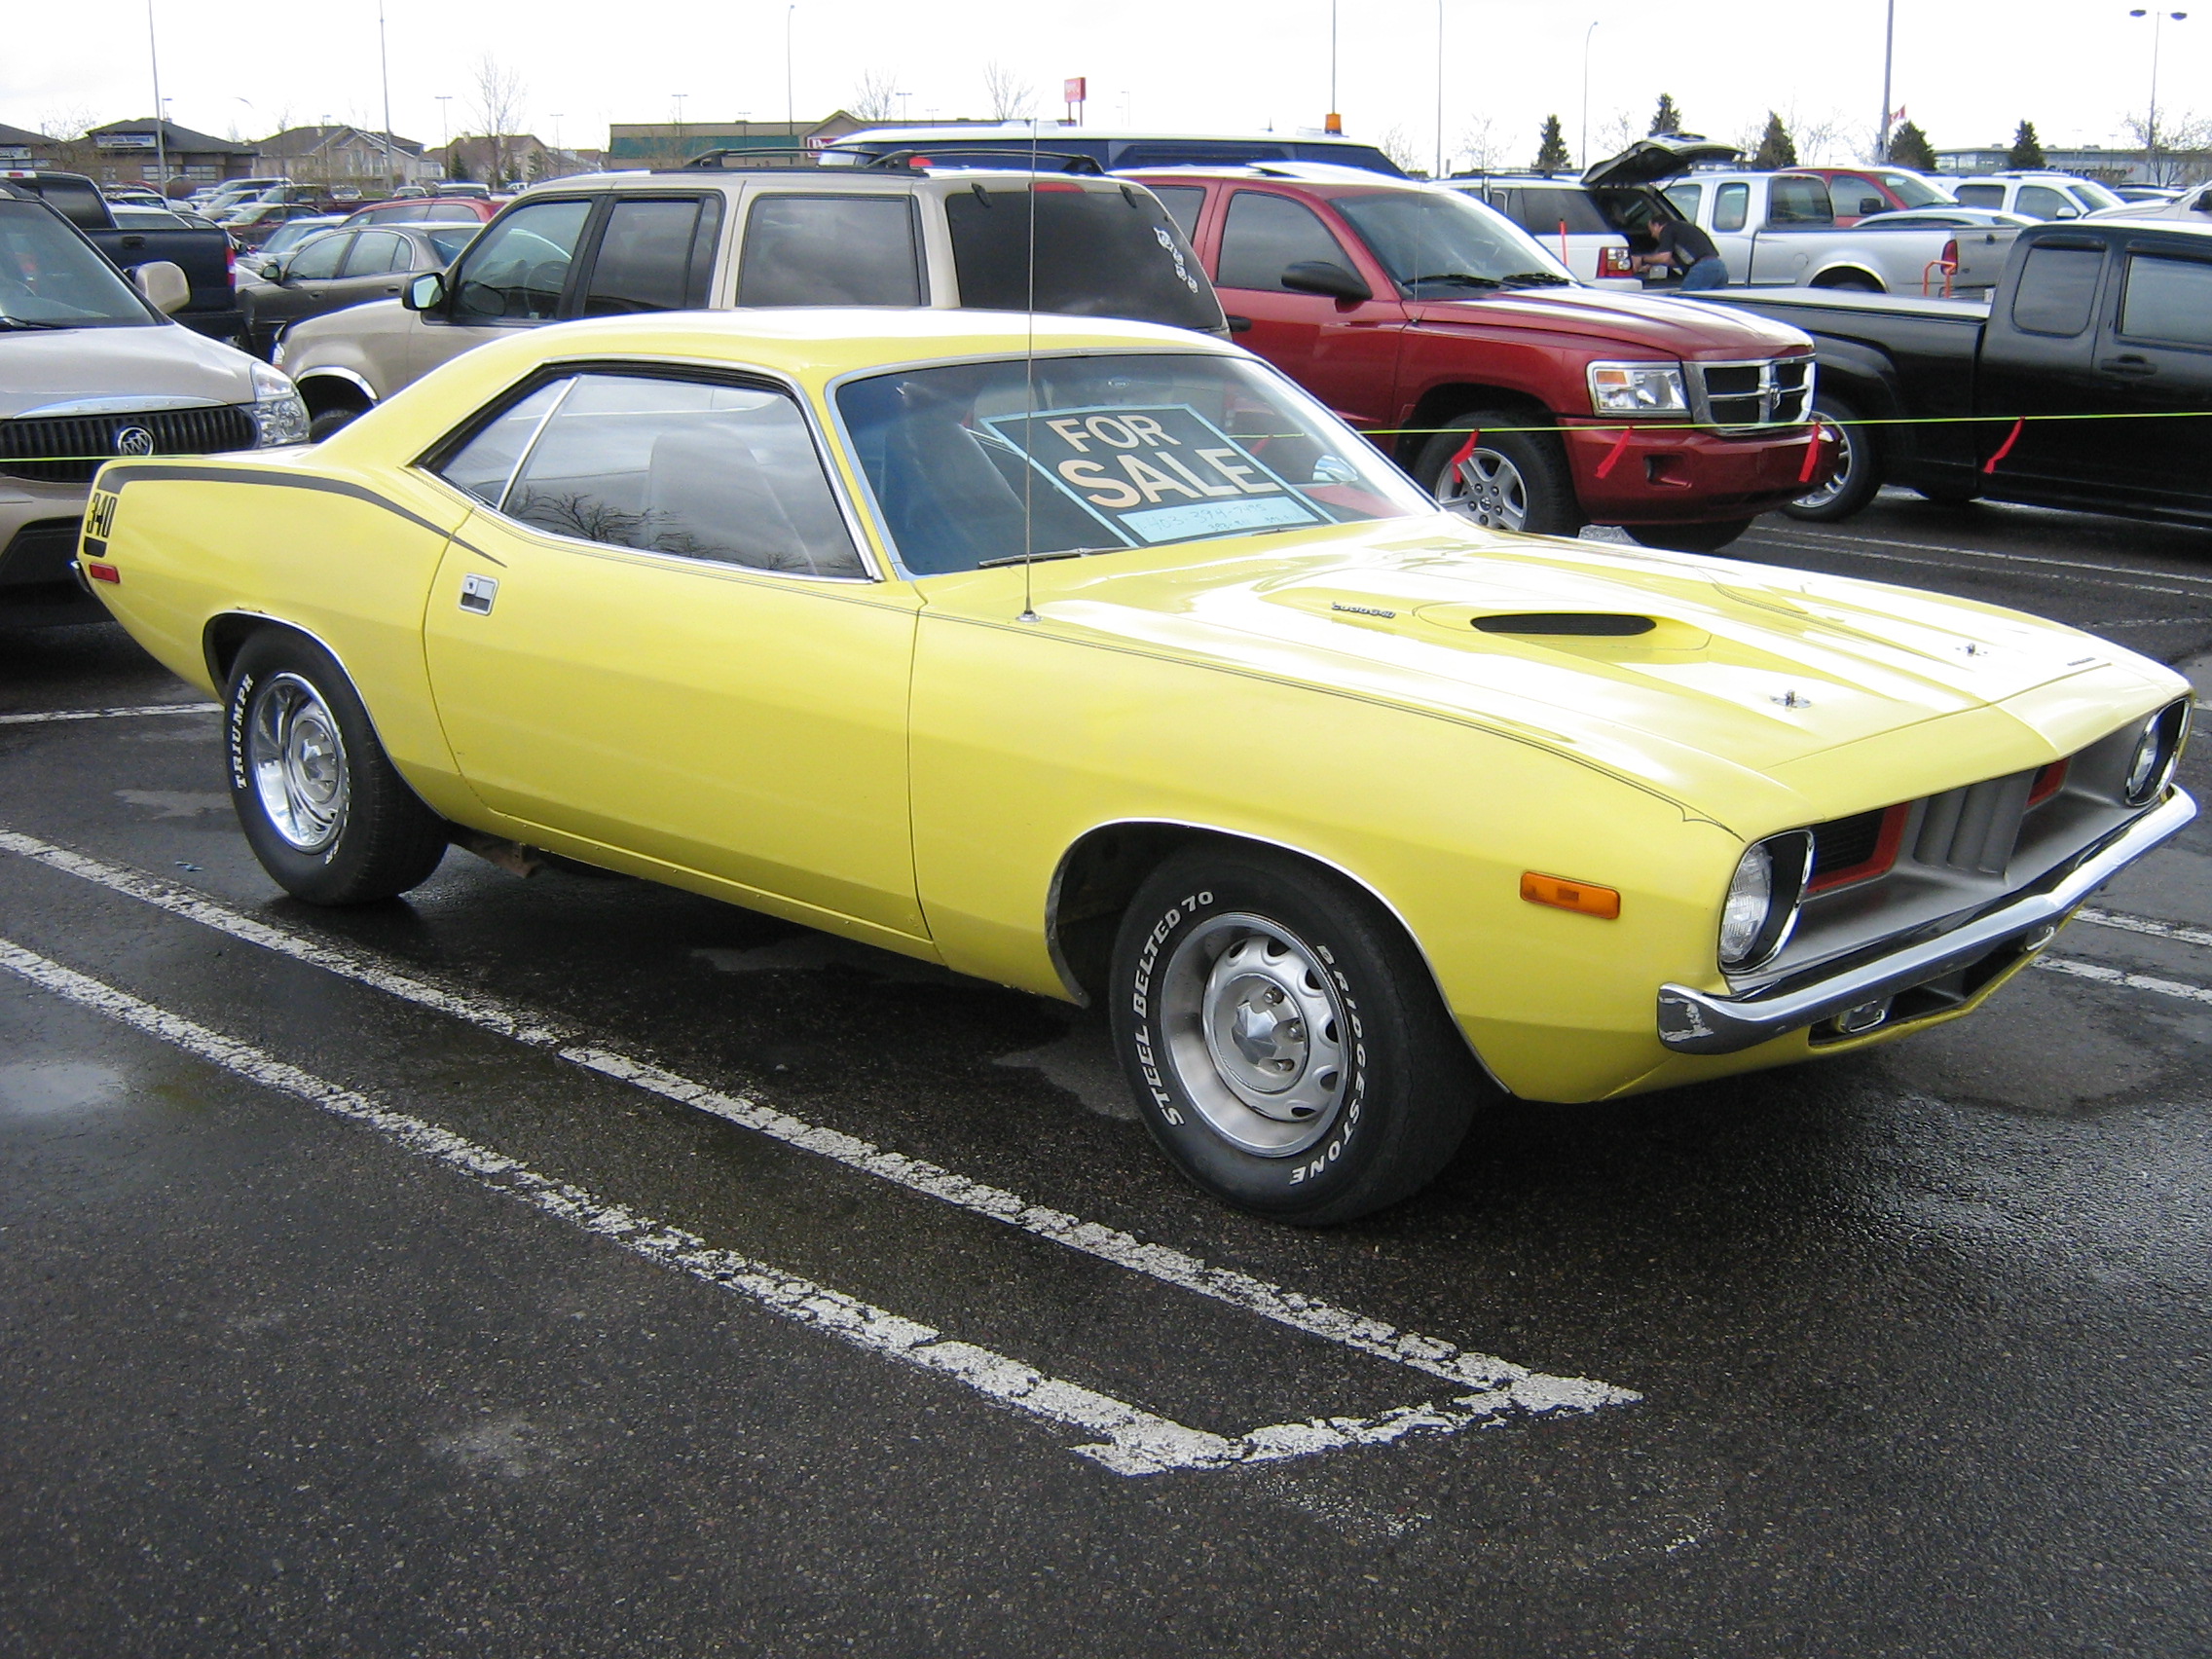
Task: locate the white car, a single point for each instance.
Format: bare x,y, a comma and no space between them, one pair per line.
1567,218
2191,206
2038,195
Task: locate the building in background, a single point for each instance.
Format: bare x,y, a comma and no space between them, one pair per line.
672,143
23,148
2115,165
375,163
512,160
134,152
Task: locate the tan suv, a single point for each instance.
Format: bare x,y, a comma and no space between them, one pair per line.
713,237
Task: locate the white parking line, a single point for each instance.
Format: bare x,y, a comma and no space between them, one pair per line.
1531,1391
2143,925
1943,564
2104,975
2112,573
1135,1442
51,716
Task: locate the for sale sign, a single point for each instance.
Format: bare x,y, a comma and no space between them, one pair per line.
1164,473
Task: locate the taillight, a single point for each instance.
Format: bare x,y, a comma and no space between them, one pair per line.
231,266
1615,262
1951,259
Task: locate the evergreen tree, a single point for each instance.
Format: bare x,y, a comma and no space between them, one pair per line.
1909,148
1776,149
2027,149
1551,152
457,165
1665,118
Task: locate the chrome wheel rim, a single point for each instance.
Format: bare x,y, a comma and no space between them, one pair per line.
1846,458
1256,1034
1489,489
296,758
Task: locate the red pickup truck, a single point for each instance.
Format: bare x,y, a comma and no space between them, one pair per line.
1421,316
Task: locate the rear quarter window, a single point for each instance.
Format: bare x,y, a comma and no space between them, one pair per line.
1544,212
829,250
2168,300
1112,252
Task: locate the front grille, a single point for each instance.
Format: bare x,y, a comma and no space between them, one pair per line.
69,449
1742,398
1974,828
1845,843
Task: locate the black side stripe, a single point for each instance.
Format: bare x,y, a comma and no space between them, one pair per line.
115,479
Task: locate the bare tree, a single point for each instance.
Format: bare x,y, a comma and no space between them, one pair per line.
1823,140
1618,131
874,97
70,125
498,100
1009,95
1393,142
2176,147
1479,145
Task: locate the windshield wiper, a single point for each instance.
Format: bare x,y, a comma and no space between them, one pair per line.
1535,280
1040,558
1467,278
29,322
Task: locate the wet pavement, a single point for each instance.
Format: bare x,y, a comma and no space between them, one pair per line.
568,1266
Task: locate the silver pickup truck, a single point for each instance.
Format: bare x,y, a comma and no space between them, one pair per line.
1778,230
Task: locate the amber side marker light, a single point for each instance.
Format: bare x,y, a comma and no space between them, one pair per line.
1577,896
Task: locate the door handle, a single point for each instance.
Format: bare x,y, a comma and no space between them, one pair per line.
477,594
1240,324
2129,365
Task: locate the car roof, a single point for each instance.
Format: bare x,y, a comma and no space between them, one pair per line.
1278,173
831,178
1047,131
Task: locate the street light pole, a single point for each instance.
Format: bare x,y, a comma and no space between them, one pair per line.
1439,173
2151,125
1586,35
160,121
384,67
790,116
1889,49
1333,121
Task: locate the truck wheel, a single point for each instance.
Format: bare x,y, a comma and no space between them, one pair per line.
330,421
1520,478
323,809
1688,538
1858,467
1286,1044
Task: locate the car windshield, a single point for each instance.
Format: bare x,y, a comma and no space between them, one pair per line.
988,462
1438,243
1912,190
2096,195
49,278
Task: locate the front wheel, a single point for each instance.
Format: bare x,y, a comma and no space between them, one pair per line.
1688,538
1515,480
1858,473
324,811
1286,1044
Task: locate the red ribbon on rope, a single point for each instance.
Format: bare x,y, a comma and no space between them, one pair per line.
2006,448
1614,454
1812,454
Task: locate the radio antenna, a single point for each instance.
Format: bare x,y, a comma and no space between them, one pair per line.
1029,395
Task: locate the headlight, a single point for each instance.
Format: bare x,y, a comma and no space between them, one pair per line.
1761,907
1637,388
278,415
2158,751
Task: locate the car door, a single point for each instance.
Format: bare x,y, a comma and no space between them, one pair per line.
1344,352
1794,204
309,272
657,633
516,274
374,267
2040,358
1730,227
2155,359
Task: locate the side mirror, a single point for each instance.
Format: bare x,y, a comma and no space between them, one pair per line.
2068,213
1870,204
1325,277
166,287
2203,203
271,270
425,291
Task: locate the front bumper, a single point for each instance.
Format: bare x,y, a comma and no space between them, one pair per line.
1677,474
1700,1022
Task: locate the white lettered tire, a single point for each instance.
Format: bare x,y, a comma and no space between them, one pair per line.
1284,1039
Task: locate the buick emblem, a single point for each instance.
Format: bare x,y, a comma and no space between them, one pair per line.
133,440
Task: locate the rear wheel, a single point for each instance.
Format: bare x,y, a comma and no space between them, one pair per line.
326,812
1515,480
1688,538
1286,1046
1858,473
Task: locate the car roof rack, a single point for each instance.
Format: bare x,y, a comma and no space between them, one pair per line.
762,158
1007,157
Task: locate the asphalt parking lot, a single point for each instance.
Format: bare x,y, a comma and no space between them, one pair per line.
568,1266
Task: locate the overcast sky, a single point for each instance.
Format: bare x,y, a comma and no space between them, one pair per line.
1966,71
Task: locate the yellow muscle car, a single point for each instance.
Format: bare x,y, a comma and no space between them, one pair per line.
1096,658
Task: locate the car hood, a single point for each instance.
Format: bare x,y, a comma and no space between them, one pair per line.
117,370
1649,325
1733,672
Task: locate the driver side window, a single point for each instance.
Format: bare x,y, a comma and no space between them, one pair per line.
517,270
1265,234
318,258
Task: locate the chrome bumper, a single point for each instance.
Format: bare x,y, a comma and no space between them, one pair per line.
1699,1022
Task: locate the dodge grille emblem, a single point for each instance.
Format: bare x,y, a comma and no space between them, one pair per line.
133,440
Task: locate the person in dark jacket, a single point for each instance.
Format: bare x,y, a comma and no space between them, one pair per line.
1677,244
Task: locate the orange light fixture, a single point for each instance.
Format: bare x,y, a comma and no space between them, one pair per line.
1579,896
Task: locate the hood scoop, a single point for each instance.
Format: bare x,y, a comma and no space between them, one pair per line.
1584,624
